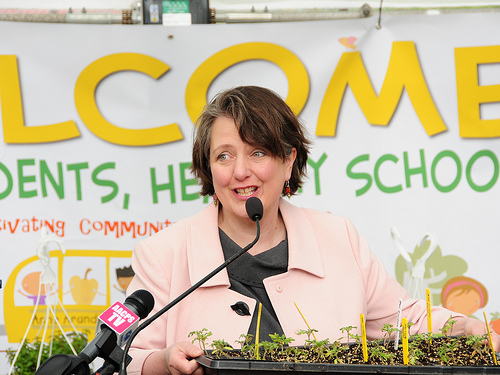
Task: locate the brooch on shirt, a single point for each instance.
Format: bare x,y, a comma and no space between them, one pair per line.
241,308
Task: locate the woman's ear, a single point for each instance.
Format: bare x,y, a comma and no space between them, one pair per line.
290,159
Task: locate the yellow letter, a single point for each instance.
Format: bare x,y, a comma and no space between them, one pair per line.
14,130
470,94
202,78
86,105
404,71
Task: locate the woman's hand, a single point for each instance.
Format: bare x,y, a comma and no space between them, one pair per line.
472,326
177,359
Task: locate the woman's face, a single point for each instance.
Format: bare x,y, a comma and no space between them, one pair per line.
240,171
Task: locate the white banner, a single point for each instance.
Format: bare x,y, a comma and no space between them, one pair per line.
97,124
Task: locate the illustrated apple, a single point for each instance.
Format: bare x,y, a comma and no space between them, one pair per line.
83,290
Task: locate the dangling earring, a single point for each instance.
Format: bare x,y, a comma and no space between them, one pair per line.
287,188
216,200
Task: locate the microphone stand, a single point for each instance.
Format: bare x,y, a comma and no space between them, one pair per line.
105,347
123,368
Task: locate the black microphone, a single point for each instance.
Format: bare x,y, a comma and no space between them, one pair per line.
140,303
254,208
255,211
104,345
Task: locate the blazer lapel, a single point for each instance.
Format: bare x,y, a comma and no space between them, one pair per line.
204,250
303,248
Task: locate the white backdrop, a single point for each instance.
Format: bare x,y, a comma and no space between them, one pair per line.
93,180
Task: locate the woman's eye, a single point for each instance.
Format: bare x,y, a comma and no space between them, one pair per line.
222,157
259,154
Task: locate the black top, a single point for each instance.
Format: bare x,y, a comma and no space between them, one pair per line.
246,275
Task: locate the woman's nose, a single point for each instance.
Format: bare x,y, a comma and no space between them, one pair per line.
242,168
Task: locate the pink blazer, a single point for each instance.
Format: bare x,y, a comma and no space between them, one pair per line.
332,276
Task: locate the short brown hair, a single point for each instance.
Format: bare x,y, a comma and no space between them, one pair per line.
263,119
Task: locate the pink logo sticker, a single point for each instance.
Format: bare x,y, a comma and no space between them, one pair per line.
118,317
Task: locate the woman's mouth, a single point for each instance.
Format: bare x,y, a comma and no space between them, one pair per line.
246,192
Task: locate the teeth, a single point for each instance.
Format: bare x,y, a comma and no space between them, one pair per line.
246,191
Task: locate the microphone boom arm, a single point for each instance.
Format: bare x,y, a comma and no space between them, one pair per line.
147,322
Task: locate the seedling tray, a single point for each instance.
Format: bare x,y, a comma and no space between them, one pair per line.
240,366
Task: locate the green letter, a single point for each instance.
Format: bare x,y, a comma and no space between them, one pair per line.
77,167
167,186
109,183
358,176
8,189
24,179
185,182
453,185
45,172
420,170
489,185
382,187
315,166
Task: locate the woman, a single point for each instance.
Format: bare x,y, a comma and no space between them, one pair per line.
250,144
